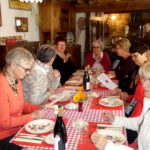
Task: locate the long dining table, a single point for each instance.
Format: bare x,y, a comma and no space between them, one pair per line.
92,113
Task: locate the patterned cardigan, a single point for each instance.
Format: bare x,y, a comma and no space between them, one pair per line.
37,83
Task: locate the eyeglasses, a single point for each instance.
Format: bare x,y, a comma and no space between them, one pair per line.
145,79
25,69
96,47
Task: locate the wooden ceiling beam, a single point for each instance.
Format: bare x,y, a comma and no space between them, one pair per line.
115,7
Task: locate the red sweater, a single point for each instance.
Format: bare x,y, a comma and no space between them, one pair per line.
105,61
139,96
14,111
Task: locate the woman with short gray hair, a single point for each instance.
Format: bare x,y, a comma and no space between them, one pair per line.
97,59
14,111
42,80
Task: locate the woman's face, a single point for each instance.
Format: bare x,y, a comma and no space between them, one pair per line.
96,49
139,59
21,70
61,46
119,50
146,84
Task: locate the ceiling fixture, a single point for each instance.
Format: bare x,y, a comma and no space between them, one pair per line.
40,1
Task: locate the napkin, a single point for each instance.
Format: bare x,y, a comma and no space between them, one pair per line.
106,81
20,139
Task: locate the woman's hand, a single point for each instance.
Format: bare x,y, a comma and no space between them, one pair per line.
56,73
67,57
108,116
115,91
36,115
101,142
51,91
124,96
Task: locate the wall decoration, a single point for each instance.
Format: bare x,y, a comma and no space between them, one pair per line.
16,4
0,16
21,24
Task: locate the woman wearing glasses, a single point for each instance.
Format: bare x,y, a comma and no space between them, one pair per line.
140,124
42,80
97,59
14,111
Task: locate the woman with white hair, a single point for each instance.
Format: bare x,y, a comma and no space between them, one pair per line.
140,124
97,59
14,111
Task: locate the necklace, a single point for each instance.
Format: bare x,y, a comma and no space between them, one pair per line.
11,81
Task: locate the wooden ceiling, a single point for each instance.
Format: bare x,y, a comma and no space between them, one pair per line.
109,6
112,6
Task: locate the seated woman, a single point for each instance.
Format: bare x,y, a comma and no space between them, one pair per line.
42,80
126,68
14,111
63,61
140,124
97,59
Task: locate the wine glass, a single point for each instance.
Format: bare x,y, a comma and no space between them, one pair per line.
82,127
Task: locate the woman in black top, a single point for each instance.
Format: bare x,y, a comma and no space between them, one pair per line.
63,61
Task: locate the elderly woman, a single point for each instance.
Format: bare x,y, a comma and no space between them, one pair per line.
97,59
14,111
42,80
63,61
126,68
140,124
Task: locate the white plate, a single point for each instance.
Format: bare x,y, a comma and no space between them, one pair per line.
111,135
73,82
71,106
60,97
111,101
49,139
40,126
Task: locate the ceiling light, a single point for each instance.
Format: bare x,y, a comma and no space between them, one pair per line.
40,1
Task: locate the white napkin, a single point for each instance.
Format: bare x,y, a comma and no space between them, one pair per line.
106,81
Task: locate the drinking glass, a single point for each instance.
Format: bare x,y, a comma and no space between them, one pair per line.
80,108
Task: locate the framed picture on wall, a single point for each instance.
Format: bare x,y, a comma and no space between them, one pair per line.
21,24
0,16
16,4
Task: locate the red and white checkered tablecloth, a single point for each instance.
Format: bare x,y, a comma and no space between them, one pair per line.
89,115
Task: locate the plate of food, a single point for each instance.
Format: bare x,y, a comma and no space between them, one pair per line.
60,97
111,135
40,126
111,101
73,82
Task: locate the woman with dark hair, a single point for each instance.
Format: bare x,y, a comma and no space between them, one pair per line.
42,80
63,61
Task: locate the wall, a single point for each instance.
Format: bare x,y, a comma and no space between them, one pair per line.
8,22
117,26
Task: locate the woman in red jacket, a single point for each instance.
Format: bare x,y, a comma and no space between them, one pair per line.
14,111
97,59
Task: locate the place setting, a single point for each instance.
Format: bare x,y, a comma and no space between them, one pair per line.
36,133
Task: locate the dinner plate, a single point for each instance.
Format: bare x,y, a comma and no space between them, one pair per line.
79,74
112,101
40,126
60,98
111,135
73,82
